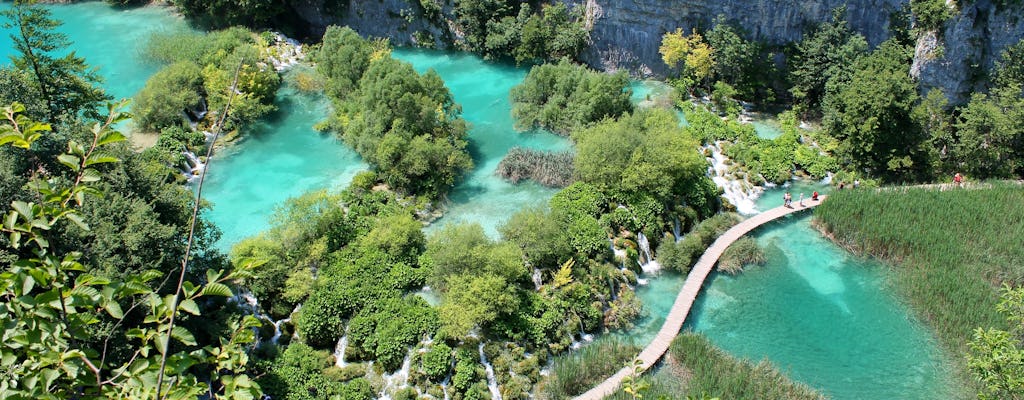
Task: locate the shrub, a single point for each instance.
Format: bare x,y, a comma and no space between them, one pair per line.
577,372
742,252
564,97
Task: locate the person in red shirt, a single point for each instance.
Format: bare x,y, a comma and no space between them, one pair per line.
814,196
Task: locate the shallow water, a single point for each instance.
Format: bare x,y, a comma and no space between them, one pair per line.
279,158
482,88
824,316
109,39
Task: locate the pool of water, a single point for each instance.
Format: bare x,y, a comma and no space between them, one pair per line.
825,317
482,88
109,39
279,158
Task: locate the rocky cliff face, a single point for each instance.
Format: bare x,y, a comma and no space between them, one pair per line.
626,33
956,58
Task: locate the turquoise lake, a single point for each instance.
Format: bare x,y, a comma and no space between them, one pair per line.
821,314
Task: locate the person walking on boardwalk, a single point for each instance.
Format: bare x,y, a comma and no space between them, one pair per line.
958,180
801,199
787,200
814,196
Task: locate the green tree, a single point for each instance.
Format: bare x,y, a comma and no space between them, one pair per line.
990,136
564,97
407,127
342,58
54,302
739,62
474,301
691,55
168,97
225,13
66,83
996,356
870,116
826,54
930,14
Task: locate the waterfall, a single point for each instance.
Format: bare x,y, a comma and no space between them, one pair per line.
649,265
538,279
740,192
397,380
194,166
492,381
277,329
339,351
677,230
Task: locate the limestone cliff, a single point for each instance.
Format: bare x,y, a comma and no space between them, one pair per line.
956,58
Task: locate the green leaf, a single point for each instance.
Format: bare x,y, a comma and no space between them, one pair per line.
183,335
91,175
217,289
114,309
110,136
100,159
77,219
189,306
70,161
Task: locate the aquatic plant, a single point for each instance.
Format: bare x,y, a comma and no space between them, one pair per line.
577,372
709,370
552,169
740,253
952,249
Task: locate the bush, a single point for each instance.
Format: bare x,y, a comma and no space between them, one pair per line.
564,97
171,97
437,362
577,372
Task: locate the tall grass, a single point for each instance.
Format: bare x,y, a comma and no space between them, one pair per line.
583,369
546,168
697,369
952,249
744,251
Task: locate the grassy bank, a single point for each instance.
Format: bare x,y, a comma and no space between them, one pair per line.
695,368
579,371
952,249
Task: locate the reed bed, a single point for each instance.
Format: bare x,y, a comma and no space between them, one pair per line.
705,371
952,249
740,253
583,369
546,168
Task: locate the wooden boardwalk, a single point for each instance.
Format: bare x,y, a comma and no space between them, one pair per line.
684,301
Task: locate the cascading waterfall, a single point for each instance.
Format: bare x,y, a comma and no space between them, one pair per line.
492,381
538,279
339,351
649,265
739,192
397,380
194,166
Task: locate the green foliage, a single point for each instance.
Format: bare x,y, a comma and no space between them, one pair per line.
342,58
691,55
405,125
1009,69
565,97
990,137
543,239
741,63
438,361
952,249
201,68
712,371
66,83
168,96
512,30
385,329
225,13
744,251
579,371
645,152
930,14
56,301
464,249
474,301
825,55
683,254
723,96
996,358
870,116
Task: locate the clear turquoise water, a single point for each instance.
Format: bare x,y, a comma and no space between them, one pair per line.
109,39
279,158
482,88
824,316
